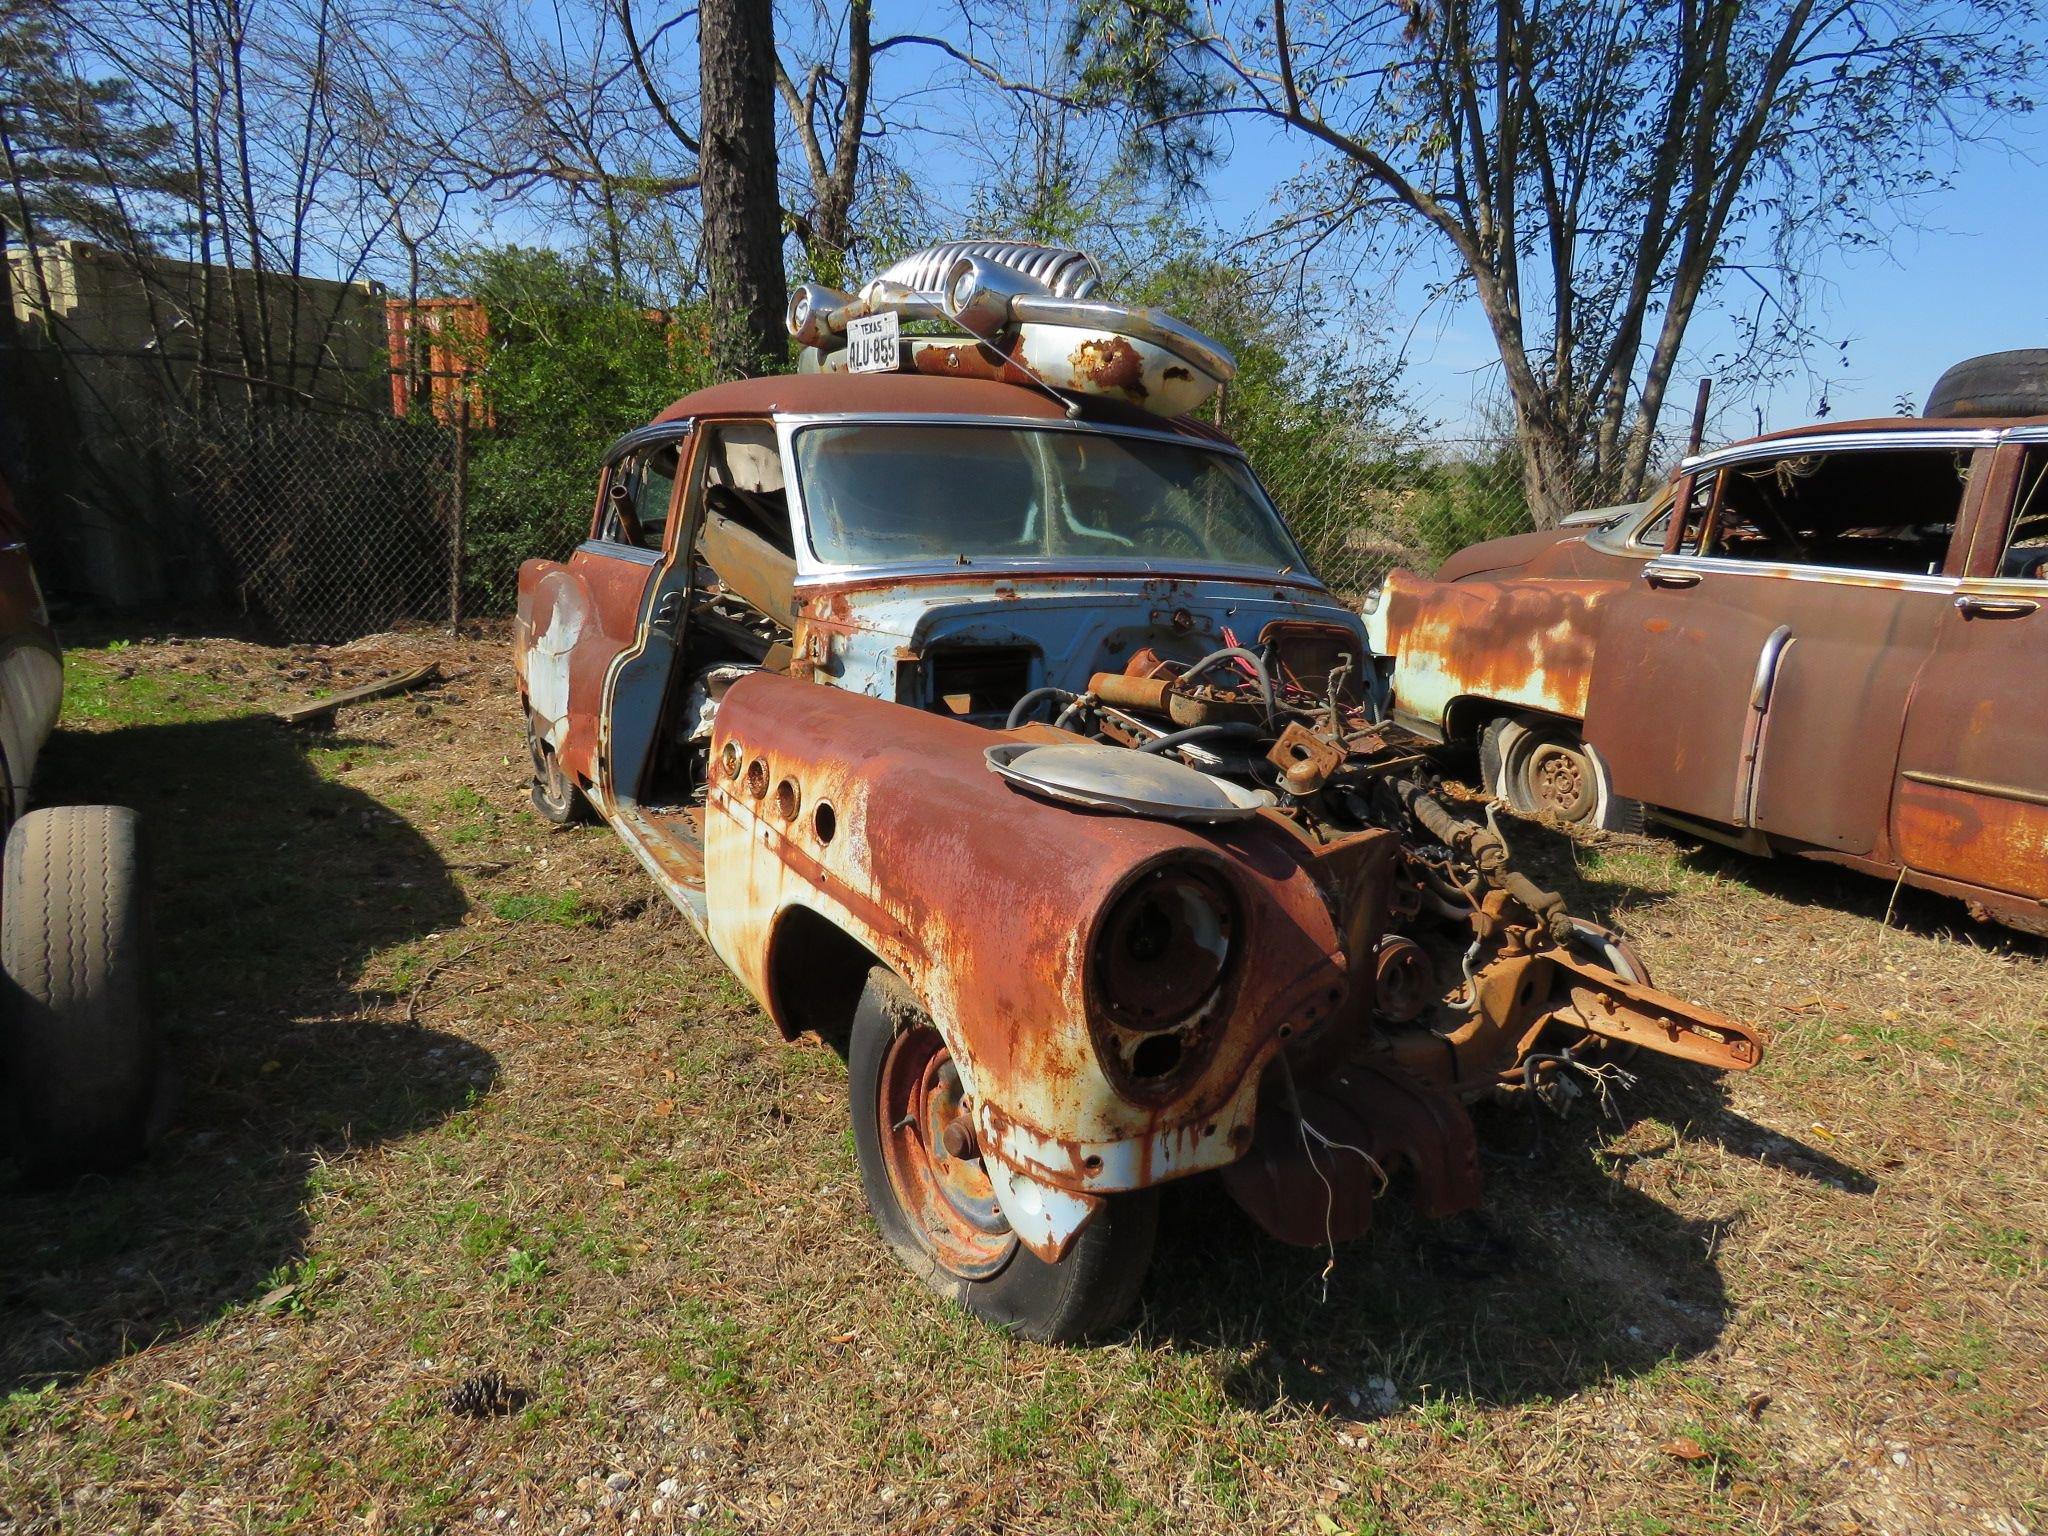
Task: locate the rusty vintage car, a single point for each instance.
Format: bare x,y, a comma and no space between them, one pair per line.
979,708
1826,642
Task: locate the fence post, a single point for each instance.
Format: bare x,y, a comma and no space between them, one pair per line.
460,511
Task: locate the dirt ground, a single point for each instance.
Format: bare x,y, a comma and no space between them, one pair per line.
462,1097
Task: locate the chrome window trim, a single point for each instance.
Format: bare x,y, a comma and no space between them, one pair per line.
1848,442
653,435
637,554
1897,581
812,571
796,420
995,572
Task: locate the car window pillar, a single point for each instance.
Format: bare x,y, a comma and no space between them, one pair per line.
1984,524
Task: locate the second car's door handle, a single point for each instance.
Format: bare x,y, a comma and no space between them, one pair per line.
1657,578
1971,606
667,612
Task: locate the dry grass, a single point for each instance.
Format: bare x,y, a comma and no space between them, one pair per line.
461,1096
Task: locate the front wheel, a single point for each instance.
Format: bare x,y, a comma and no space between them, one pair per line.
1545,769
555,794
932,1198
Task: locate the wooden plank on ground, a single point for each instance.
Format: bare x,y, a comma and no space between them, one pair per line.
317,711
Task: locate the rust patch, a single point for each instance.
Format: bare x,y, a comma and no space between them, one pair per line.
1111,363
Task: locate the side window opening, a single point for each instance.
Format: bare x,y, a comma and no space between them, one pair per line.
742,587
1883,510
2026,546
637,497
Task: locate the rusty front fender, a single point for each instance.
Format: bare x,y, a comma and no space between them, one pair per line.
985,899
1521,641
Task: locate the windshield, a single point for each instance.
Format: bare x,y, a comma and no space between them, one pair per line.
883,493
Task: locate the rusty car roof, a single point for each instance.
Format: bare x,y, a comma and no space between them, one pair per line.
1898,424
908,394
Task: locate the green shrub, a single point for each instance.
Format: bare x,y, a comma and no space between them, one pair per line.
569,363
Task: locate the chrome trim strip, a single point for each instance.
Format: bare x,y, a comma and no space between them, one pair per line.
1844,442
991,573
1751,761
797,421
628,552
1715,565
1976,786
642,437
1767,667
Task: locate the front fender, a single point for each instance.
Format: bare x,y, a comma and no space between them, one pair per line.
1523,641
984,899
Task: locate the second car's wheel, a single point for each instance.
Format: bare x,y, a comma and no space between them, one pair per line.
1545,769
555,794
78,1050
931,1195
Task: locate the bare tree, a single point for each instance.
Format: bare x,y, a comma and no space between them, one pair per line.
1594,170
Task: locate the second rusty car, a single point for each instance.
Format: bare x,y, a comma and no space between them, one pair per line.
979,708
1824,642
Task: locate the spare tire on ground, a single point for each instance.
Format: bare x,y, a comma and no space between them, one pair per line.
1995,384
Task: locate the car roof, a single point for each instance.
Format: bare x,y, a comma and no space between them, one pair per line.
909,394
1899,424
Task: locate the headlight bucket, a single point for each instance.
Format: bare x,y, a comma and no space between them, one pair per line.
1161,962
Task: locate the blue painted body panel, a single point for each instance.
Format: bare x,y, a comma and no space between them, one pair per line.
879,636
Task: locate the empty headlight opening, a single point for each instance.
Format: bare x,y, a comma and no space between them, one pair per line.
1159,967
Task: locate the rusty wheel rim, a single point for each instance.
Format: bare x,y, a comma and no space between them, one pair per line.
1560,780
935,1170
548,772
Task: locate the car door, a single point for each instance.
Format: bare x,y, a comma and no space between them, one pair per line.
1972,796
1758,675
599,610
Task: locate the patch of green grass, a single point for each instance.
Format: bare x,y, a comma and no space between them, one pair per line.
97,691
523,1266
565,909
30,1408
709,1356
2007,1251
294,1287
464,801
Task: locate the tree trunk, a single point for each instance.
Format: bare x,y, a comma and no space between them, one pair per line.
742,201
1549,468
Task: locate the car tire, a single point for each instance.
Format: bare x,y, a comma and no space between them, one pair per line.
918,1195
1544,767
1994,384
555,794
78,1049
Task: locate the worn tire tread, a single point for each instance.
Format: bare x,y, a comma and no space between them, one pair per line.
80,1062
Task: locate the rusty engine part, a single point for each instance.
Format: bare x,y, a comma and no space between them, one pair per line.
1537,1006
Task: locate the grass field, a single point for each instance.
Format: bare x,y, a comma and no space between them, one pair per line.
460,1095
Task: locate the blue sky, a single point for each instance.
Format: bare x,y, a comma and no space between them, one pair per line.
1969,279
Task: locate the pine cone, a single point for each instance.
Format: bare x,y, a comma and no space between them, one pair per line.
486,1395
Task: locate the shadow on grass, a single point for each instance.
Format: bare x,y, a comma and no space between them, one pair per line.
272,885
1564,1278
1549,854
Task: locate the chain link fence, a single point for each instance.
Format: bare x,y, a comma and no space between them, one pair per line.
330,526
1361,506
323,522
